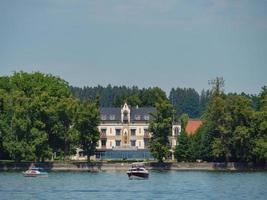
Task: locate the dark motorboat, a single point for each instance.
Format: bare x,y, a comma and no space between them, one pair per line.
137,171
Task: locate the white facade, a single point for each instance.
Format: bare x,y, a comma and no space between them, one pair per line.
127,128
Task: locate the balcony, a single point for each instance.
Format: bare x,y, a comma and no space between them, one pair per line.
146,135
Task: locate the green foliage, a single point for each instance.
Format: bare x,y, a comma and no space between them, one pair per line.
236,127
87,123
182,150
193,147
161,127
117,96
186,100
37,117
184,120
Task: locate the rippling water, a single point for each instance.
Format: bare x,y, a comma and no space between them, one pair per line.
116,185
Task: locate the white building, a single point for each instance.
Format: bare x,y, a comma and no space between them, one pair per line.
124,133
126,128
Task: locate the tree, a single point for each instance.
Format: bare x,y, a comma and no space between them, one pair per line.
185,100
229,118
88,120
68,134
217,86
182,148
259,142
161,126
35,116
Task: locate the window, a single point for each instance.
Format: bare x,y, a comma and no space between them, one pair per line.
146,117
176,131
110,130
112,117
137,117
133,132
145,130
139,130
125,116
103,130
118,131
103,117
103,143
133,143
118,143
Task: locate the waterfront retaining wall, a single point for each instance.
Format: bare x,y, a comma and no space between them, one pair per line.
102,166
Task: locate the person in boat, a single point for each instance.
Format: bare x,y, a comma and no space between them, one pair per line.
32,166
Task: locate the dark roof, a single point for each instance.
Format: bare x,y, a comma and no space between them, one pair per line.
110,113
137,113
140,114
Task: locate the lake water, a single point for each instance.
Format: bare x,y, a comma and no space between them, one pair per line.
116,185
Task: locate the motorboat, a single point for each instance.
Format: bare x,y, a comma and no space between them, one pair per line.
35,172
137,171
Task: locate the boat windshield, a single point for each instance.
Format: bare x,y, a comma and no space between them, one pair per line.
37,168
138,165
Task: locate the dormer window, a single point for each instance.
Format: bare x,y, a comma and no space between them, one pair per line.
125,114
137,117
146,117
103,117
112,117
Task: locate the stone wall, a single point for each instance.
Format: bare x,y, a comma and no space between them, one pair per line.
102,166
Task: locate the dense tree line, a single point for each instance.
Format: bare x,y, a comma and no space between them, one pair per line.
40,116
234,130
184,100
188,100
117,95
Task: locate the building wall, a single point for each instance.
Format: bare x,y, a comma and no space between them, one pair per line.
109,133
112,138
128,134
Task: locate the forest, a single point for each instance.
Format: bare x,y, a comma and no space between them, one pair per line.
184,100
42,118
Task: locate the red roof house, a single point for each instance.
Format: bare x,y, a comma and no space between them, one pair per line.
193,125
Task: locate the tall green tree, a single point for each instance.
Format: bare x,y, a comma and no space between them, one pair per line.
185,100
183,149
87,123
219,121
259,142
161,126
33,122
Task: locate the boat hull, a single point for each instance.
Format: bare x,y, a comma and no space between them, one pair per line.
35,174
137,175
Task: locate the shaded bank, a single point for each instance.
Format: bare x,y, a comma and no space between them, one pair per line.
104,166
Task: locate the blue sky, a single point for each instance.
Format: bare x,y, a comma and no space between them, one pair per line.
165,43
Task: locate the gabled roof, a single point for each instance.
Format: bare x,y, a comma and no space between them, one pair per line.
193,125
136,113
141,114
110,114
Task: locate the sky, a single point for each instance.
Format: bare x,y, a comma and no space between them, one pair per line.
146,43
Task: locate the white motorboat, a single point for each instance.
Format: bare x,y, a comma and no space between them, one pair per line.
137,171
35,172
